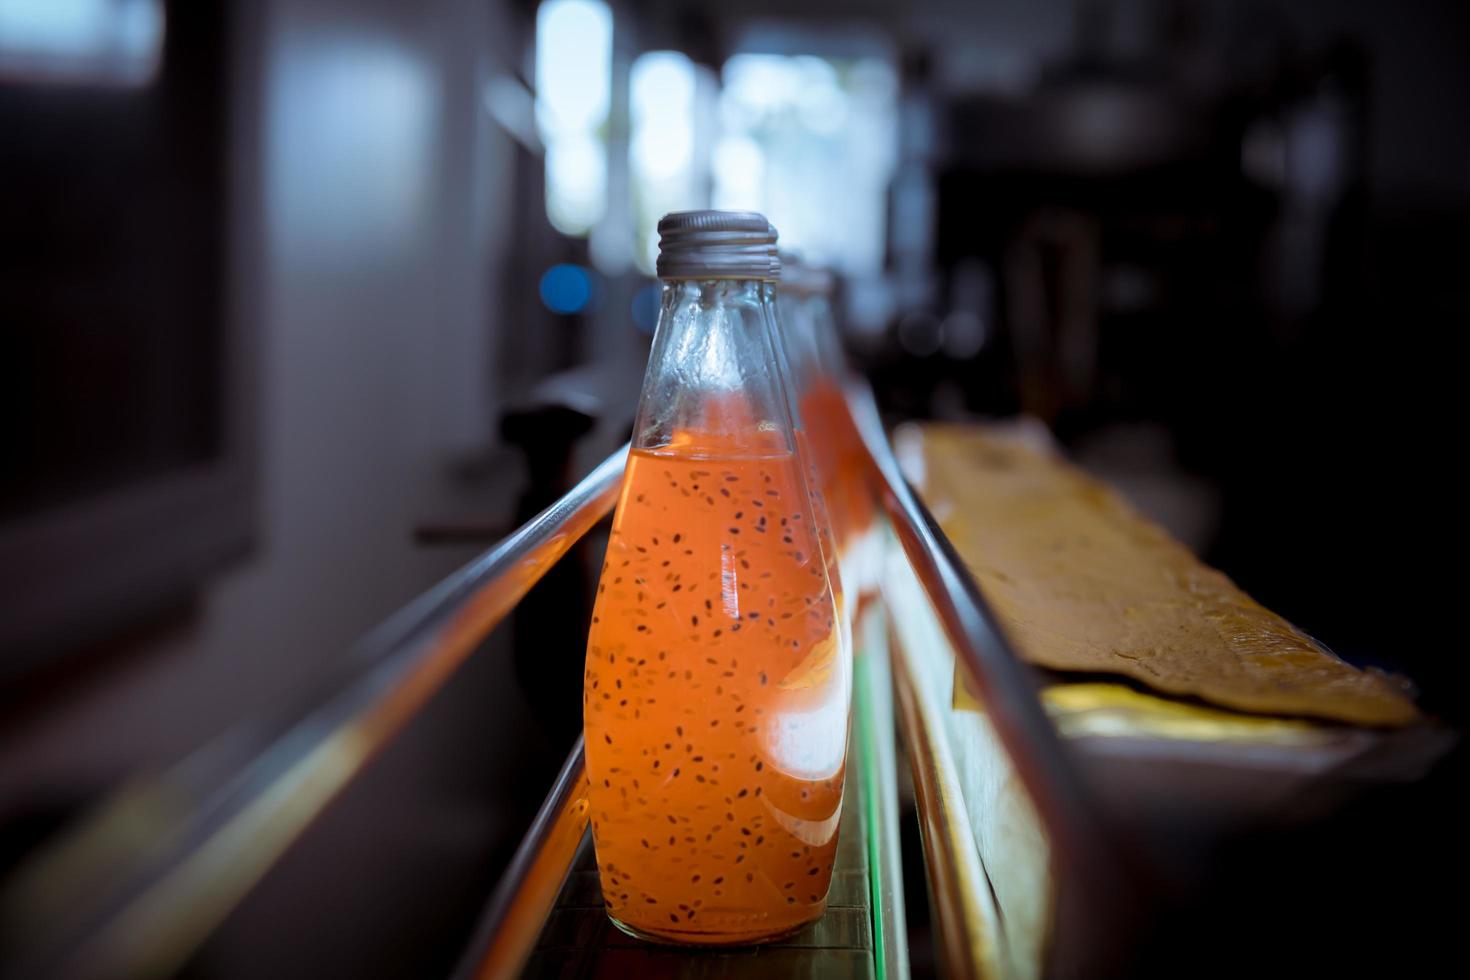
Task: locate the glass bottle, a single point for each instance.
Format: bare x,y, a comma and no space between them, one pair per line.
716,694
798,370
838,454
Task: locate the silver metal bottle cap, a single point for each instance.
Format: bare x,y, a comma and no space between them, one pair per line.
801,279
716,245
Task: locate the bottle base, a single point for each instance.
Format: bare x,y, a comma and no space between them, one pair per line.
677,936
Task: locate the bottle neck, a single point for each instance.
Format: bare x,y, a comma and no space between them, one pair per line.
713,384
711,294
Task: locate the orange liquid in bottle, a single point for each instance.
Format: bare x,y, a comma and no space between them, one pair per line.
715,700
840,460
818,490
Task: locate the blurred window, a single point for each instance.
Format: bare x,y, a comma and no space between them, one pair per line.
573,96
811,142
99,42
670,103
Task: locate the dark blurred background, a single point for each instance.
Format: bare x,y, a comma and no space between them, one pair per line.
303,302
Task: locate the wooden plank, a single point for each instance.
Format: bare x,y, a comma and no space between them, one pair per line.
1083,583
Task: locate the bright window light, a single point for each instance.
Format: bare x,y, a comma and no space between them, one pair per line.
114,43
739,174
664,93
576,182
573,94
810,142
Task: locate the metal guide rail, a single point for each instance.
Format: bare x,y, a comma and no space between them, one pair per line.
219,822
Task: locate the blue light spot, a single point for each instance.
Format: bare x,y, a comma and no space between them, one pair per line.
645,307
566,288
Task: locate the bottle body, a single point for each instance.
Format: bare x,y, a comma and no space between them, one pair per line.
820,481
837,455
716,690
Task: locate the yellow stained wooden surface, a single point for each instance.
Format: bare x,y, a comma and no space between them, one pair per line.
1081,582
